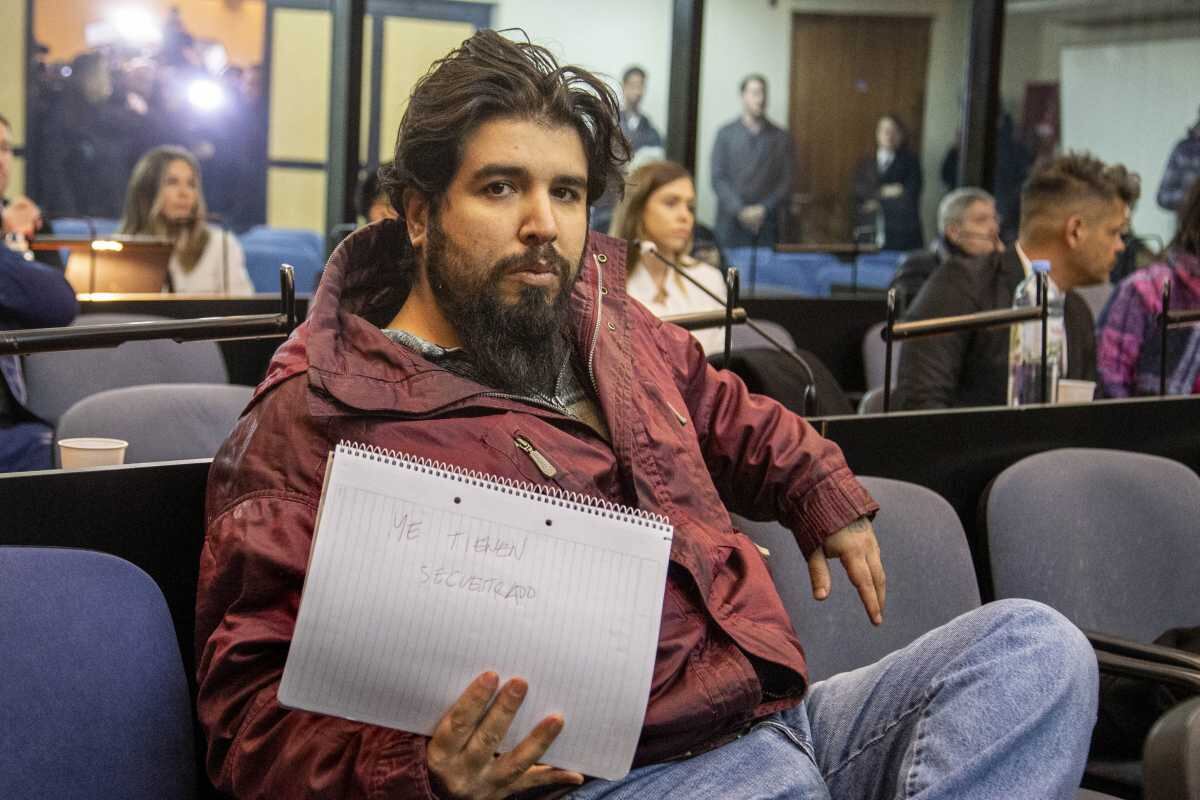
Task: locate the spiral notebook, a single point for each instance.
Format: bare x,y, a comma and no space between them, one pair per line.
422,575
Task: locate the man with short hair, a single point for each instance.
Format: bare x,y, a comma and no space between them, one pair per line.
1074,210
485,326
641,135
751,172
968,227
634,124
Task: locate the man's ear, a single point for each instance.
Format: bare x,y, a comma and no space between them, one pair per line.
416,217
1074,229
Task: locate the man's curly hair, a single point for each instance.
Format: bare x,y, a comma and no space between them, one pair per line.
491,76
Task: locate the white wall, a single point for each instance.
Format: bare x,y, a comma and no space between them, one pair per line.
744,36
1150,96
603,37
1127,92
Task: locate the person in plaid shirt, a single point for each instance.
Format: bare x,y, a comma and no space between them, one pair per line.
1129,347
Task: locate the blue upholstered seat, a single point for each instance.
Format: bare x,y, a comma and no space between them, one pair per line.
93,697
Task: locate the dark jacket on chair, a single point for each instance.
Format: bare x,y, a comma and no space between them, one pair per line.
971,368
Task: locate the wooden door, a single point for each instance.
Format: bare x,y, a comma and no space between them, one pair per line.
847,71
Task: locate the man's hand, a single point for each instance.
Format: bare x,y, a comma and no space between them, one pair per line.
855,545
751,217
22,216
462,754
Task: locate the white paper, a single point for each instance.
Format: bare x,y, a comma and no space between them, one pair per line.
419,581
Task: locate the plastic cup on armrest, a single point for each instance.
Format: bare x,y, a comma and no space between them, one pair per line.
91,451
1073,391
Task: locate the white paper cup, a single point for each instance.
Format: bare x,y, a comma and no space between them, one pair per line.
1072,391
91,451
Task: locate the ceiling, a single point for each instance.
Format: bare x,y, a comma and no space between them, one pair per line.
1107,12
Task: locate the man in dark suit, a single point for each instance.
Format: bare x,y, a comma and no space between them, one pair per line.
1074,211
636,126
751,172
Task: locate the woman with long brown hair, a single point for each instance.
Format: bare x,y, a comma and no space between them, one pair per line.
165,199
660,208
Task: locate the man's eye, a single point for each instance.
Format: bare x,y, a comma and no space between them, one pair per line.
499,189
568,194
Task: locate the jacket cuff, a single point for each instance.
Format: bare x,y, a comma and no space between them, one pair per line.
826,508
401,770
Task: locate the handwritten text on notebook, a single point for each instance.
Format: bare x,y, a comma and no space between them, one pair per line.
421,578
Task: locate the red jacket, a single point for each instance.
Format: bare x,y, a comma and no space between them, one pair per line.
687,442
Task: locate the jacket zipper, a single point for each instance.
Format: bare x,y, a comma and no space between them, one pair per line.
533,401
540,461
682,419
596,329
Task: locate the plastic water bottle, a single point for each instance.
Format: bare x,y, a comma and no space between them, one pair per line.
1025,343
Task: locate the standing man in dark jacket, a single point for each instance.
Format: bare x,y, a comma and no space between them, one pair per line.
1074,211
636,126
487,329
751,172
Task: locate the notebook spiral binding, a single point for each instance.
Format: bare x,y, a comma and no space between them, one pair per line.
553,495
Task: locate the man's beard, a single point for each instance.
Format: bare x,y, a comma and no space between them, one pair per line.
517,347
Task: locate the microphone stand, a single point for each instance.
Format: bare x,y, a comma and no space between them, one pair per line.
224,260
810,391
91,224
754,260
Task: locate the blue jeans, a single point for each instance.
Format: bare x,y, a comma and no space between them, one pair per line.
998,703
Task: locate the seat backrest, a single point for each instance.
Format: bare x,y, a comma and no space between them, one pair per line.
161,421
874,353
56,381
93,697
80,226
1109,538
930,580
1172,754
266,248
872,401
842,278
769,372
745,337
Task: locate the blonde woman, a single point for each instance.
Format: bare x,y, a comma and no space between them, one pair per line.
660,207
165,198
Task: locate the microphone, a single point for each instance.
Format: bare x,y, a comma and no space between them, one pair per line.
809,402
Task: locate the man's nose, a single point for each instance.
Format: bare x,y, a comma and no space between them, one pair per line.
539,225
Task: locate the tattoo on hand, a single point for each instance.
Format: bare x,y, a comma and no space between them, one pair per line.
860,525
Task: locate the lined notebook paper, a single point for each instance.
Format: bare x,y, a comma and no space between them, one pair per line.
422,576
